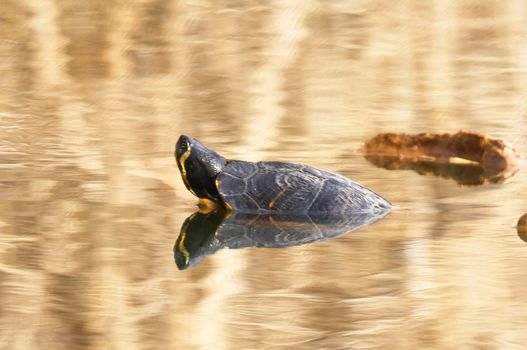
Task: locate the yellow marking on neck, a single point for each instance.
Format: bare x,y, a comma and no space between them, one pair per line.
271,204
184,170
227,205
207,206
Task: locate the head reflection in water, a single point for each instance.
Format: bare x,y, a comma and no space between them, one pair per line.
197,238
205,233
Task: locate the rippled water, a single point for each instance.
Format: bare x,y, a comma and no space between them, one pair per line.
93,95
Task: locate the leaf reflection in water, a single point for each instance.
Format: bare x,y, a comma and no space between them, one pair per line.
465,174
205,233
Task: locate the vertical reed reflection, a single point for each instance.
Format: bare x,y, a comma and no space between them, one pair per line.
93,95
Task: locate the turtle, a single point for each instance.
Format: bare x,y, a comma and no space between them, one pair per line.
270,186
204,233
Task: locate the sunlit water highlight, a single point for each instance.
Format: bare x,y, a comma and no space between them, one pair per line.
93,95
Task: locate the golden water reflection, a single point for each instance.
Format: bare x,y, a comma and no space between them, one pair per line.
94,94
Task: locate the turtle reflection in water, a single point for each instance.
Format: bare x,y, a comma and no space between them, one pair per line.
205,233
265,204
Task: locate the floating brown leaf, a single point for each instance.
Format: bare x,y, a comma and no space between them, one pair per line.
467,157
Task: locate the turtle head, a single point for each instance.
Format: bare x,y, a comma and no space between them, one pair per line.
199,167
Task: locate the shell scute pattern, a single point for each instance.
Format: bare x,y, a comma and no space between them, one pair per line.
232,185
280,166
299,190
336,197
326,175
264,185
240,169
242,203
284,187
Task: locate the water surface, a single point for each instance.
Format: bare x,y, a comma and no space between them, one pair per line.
94,94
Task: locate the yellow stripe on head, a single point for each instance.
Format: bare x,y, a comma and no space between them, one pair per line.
184,170
182,161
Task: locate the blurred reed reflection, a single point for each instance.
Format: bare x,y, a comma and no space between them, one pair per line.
205,233
93,95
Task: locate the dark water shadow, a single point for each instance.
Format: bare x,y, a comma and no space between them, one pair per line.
203,234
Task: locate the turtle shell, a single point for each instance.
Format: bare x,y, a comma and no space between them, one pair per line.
278,187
